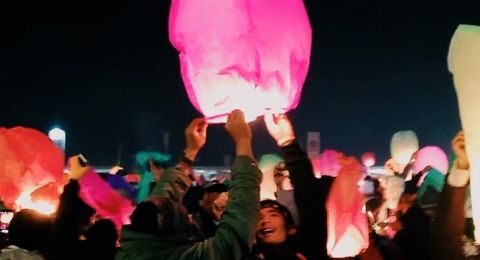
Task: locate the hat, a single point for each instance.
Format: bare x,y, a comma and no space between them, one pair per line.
268,203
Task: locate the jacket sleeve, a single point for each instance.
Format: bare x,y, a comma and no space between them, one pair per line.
236,230
174,183
448,226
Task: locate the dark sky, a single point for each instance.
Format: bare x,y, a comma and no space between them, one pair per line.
106,72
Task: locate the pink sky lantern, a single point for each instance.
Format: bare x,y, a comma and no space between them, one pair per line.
107,202
28,161
432,156
368,159
327,164
241,54
347,224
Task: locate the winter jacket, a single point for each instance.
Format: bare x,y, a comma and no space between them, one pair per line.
234,233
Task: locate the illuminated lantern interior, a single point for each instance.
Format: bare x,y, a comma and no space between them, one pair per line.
403,145
347,224
28,161
327,164
464,63
241,54
368,159
267,164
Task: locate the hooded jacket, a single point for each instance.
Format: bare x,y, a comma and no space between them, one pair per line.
234,234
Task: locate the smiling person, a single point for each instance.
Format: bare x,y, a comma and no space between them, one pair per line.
275,233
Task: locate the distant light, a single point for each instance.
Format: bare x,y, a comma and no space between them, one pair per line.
58,136
368,159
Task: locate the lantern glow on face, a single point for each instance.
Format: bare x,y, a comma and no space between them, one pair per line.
241,54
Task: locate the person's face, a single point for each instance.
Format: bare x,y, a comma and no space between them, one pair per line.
271,229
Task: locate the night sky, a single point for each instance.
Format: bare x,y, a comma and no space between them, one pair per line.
106,73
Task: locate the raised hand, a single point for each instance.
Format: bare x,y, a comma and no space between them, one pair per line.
280,128
77,171
240,132
458,147
195,137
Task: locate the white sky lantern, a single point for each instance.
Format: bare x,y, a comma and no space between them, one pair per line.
241,54
403,145
58,136
464,64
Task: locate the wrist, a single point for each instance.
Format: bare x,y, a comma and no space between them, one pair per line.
187,157
462,164
190,153
282,142
244,148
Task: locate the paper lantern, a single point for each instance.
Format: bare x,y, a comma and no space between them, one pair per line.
347,224
267,164
368,159
403,145
99,195
241,54
432,156
464,63
327,164
28,160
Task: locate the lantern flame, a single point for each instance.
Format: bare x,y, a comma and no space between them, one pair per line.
24,201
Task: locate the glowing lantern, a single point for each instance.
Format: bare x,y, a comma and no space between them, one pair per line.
403,145
327,164
241,54
432,156
347,224
267,164
463,62
368,159
28,160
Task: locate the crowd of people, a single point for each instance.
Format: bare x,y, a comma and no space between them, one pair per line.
180,219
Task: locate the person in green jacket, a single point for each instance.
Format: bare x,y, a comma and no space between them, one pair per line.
161,227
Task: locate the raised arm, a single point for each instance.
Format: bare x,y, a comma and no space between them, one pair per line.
236,231
175,181
448,226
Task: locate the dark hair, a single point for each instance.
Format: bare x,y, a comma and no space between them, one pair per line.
102,232
30,230
160,216
282,209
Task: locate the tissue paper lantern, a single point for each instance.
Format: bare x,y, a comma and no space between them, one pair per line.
267,164
107,202
431,156
403,145
241,54
347,224
28,161
327,164
368,159
464,64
